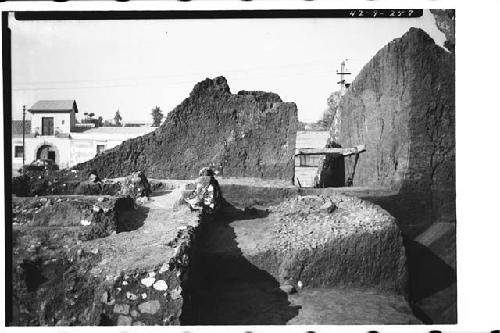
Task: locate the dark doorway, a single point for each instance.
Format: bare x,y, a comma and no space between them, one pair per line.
332,171
47,125
51,155
46,152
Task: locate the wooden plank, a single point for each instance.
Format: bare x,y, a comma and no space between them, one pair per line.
323,151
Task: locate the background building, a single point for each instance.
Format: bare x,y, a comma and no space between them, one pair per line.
53,134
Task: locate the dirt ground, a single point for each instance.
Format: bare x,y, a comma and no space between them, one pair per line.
235,291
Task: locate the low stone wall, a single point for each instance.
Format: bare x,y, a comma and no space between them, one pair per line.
51,184
75,264
89,217
154,296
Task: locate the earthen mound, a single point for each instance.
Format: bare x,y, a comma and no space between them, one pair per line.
249,134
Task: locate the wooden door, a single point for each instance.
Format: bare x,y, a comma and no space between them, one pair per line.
47,125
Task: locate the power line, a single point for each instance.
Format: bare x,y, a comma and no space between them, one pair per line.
320,73
316,62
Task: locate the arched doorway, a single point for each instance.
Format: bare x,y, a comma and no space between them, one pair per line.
47,152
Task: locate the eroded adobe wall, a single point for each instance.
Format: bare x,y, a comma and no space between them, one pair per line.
401,106
251,133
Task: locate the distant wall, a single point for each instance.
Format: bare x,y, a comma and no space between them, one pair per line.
402,107
252,134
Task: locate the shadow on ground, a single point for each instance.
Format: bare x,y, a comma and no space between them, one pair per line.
428,273
130,218
233,291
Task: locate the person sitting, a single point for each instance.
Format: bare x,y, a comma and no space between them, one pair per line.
206,195
94,184
94,178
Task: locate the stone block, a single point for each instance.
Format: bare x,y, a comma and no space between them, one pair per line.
150,307
124,321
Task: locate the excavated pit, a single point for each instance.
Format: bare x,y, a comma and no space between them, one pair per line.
99,260
231,269
349,260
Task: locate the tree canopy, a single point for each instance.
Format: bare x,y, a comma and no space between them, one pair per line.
157,115
118,118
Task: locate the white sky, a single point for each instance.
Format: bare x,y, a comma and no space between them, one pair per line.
134,65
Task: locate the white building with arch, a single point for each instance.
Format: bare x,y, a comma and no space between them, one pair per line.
53,133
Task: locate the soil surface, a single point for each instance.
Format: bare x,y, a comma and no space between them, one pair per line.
152,227
235,291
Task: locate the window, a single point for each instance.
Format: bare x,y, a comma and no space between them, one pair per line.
99,149
19,151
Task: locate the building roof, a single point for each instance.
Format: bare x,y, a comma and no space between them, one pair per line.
311,139
17,127
113,133
54,106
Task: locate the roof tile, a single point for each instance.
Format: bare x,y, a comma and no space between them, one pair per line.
54,105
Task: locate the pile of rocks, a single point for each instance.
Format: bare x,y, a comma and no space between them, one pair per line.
310,221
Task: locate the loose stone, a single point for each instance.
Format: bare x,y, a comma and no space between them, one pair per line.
148,282
104,297
176,293
150,307
121,308
85,222
124,321
131,296
289,289
163,268
160,285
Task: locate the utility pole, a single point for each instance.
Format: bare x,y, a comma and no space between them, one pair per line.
24,134
343,84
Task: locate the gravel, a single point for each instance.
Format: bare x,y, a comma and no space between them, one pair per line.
310,221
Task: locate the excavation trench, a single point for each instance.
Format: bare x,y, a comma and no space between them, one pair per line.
250,256
86,260
233,290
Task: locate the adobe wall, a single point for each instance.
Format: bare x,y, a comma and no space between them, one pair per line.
251,133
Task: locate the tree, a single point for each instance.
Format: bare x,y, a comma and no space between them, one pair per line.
333,102
301,126
118,118
100,121
157,114
445,22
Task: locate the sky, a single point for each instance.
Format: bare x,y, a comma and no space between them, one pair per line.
133,66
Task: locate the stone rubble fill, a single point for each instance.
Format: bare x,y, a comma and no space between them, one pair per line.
311,221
